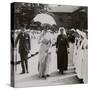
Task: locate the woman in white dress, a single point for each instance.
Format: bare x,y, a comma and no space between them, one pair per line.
44,54
81,56
80,52
85,60
75,51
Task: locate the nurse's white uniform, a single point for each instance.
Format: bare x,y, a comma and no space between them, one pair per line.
85,62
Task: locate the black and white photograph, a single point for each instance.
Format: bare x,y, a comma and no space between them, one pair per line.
49,44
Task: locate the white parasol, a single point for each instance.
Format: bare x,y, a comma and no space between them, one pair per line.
44,18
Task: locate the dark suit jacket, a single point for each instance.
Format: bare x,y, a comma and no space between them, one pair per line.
24,42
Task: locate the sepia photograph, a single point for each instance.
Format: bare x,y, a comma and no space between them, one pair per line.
49,44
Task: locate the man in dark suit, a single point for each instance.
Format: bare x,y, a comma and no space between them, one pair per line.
24,48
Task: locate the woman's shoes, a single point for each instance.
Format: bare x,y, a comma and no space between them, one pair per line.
47,75
43,76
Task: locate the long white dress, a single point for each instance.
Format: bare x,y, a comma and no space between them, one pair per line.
44,54
85,62
75,53
70,55
79,64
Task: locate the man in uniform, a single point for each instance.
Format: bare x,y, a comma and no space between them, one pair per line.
24,48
